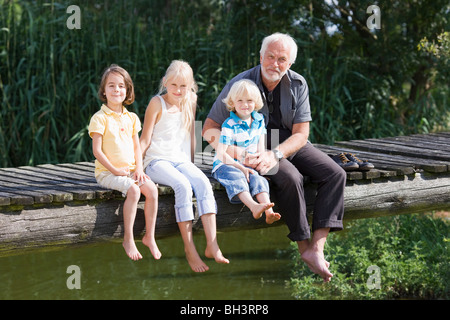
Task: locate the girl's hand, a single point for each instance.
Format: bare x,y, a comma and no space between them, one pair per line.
140,177
125,171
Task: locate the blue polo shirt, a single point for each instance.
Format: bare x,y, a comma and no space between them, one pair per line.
236,132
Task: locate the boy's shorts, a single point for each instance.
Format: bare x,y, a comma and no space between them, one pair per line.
120,183
235,182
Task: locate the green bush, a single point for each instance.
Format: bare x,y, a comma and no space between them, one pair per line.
410,251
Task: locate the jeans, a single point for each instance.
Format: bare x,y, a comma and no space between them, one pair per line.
235,182
184,177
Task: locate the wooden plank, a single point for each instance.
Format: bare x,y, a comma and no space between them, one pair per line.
423,142
50,185
387,161
27,192
8,199
378,160
390,148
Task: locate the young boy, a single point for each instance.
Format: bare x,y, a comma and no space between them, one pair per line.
244,128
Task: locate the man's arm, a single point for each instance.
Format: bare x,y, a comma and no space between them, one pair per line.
299,137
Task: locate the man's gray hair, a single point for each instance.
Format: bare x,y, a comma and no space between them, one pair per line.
285,39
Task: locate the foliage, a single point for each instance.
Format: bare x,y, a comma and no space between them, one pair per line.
363,83
411,252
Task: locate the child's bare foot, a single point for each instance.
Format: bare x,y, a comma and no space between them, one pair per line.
195,262
151,244
258,209
271,216
131,250
213,251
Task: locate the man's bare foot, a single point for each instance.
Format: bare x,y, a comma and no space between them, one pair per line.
131,250
213,251
271,216
317,264
151,244
195,262
258,209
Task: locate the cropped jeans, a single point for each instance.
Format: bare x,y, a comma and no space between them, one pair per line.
183,177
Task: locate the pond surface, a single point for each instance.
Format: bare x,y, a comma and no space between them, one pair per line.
259,269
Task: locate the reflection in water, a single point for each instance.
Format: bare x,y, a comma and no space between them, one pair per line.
259,269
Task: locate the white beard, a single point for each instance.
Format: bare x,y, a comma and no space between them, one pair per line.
272,76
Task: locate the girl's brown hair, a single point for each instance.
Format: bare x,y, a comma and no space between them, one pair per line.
114,68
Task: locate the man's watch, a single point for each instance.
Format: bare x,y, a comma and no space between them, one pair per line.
278,154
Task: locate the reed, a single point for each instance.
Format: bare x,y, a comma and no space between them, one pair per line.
49,74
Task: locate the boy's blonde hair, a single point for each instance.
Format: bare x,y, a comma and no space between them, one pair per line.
241,87
180,68
114,68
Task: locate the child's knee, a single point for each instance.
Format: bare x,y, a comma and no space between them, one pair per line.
150,190
134,192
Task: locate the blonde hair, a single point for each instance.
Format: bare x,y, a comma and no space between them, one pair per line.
181,69
241,87
284,38
114,68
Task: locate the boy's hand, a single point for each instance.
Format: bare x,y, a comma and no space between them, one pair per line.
251,160
247,172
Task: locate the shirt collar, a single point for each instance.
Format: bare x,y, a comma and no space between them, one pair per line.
108,111
255,115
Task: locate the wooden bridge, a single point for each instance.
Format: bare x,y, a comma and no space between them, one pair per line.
61,204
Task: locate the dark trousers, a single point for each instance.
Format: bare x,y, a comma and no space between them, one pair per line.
287,186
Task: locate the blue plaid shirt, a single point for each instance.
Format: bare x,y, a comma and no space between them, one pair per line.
236,132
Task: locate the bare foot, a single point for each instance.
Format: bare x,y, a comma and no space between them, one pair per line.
195,262
213,251
151,244
271,216
317,264
131,250
258,209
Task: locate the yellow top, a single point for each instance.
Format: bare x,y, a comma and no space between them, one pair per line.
117,132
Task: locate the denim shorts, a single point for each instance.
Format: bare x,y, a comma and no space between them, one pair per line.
235,182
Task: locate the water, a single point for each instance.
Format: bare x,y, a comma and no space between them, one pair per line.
259,269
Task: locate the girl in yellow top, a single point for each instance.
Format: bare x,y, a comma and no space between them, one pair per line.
118,165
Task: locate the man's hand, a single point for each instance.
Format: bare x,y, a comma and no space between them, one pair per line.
262,162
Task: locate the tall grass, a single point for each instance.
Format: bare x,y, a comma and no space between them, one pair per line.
49,74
